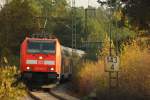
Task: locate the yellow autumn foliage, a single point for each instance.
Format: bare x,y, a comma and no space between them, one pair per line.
90,76
106,47
135,66
134,82
118,14
7,91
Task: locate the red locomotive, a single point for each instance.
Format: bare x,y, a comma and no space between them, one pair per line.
40,57
45,59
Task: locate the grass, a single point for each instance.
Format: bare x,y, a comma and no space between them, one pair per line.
134,77
7,90
135,74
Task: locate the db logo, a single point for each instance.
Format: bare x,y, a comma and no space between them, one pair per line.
40,62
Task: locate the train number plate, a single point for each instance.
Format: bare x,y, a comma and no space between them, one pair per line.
40,62
112,64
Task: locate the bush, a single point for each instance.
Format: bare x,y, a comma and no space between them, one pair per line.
134,83
7,91
134,76
89,76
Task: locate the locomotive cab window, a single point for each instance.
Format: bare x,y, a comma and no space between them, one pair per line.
44,47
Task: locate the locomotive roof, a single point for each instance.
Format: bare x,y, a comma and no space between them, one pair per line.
41,39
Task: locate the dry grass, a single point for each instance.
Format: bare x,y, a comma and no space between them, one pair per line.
135,73
134,77
90,76
7,91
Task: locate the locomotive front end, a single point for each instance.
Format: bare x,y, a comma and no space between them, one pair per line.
39,59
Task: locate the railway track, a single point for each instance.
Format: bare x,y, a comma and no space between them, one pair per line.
56,93
42,95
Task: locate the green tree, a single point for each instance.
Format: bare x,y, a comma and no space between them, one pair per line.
16,20
136,11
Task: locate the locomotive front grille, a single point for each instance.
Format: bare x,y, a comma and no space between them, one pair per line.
40,76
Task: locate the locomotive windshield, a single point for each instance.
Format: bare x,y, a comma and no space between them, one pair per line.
41,47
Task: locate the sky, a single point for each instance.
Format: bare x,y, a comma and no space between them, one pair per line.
79,3
85,3
1,3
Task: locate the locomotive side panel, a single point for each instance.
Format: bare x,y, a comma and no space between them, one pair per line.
58,58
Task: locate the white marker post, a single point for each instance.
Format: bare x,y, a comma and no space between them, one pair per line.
112,64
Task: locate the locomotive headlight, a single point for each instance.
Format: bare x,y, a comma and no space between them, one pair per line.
40,57
28,68
52,69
